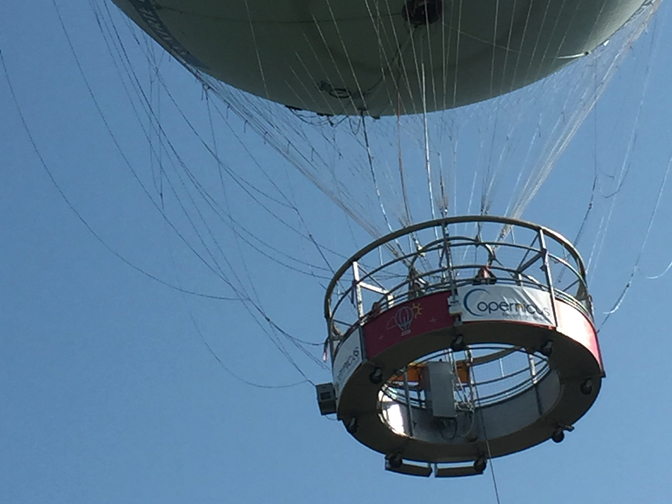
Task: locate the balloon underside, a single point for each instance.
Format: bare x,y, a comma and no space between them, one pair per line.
379,57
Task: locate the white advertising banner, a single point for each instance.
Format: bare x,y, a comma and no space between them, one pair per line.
348,357
506,302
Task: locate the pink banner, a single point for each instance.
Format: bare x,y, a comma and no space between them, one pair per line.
409,319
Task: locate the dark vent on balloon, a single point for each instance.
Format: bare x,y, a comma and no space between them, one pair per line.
422,12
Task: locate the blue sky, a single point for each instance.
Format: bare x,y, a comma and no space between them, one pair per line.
117,387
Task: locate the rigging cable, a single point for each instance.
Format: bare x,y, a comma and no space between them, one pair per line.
635,268
79,216
240,291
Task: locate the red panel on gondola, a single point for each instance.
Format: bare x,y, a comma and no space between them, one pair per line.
409,319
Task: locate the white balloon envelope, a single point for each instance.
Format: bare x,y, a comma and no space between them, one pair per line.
379,57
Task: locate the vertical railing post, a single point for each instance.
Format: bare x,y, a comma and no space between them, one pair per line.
547,271
533,368
357,289
449,261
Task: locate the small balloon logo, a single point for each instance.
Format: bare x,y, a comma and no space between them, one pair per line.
404,318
